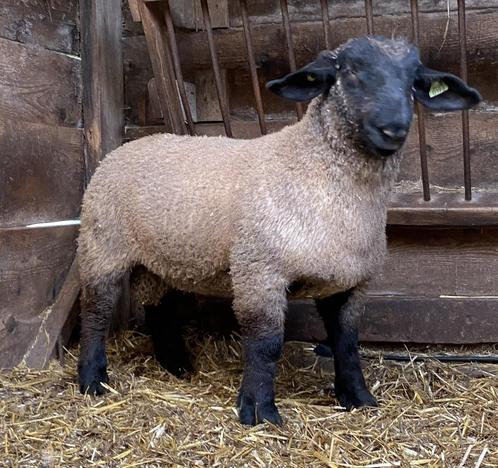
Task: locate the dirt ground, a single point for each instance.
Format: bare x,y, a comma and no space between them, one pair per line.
431,413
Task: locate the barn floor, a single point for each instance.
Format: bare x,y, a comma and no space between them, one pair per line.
431,414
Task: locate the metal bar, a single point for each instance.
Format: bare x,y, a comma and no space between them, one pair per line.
252,68
369,15
177,66
462,36
420,113
216,69
326,22
292,58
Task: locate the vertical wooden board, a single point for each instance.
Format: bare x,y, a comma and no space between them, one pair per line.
208,107
33,267
39,86
188,13
41,173
102,75
49,24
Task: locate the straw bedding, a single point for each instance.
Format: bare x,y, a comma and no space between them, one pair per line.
431,414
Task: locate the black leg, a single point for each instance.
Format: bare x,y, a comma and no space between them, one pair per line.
97,304
256,399
165,323
259,304
340,314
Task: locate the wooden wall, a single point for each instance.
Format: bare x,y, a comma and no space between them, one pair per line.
41,162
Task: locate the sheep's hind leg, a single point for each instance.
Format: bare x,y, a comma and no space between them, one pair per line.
97,304
165,323
340,314
260,312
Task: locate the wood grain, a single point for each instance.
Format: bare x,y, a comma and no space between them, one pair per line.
33,267
102,76
41,173
269,39
51,25
39,86
434,262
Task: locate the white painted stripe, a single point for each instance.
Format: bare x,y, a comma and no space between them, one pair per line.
66,222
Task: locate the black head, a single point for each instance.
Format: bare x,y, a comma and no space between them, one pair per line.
374,82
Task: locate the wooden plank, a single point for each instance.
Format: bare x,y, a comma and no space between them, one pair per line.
444,209
39,86
134,9
482,36
207,104
51,25
188,13
102,76
162,65
268,11
41,349
33,267
434,262
41,173
430,320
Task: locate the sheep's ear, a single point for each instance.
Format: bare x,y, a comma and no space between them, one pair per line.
307,82
443,91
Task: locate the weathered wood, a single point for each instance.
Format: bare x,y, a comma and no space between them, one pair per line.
268,11
41,172
434,262
51,25
188,13
444,209
134,10
40,86
207,104
482,35
33,267
41,349
102,76
162,65
430,320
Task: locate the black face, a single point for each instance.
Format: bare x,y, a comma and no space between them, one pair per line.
374,81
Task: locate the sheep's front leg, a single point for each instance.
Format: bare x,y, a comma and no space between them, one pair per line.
260,310
340,314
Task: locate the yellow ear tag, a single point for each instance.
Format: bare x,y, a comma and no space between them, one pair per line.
437,88
311,77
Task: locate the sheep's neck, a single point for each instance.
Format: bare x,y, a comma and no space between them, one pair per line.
324,122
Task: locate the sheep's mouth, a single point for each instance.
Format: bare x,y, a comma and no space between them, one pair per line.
385,152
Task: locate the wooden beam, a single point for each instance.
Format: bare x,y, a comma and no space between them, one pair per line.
102,77
444,209
162,65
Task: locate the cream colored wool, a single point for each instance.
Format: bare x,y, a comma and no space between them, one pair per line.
243,218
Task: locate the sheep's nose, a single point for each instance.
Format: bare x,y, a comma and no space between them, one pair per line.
394,132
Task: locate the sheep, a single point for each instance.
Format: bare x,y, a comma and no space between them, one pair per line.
297,213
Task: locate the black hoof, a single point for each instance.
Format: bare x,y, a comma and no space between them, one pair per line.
90,378
179,365
355,398
252,413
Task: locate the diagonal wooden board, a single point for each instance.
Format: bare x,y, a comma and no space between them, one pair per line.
41,349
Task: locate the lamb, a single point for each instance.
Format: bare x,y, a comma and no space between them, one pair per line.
297,213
